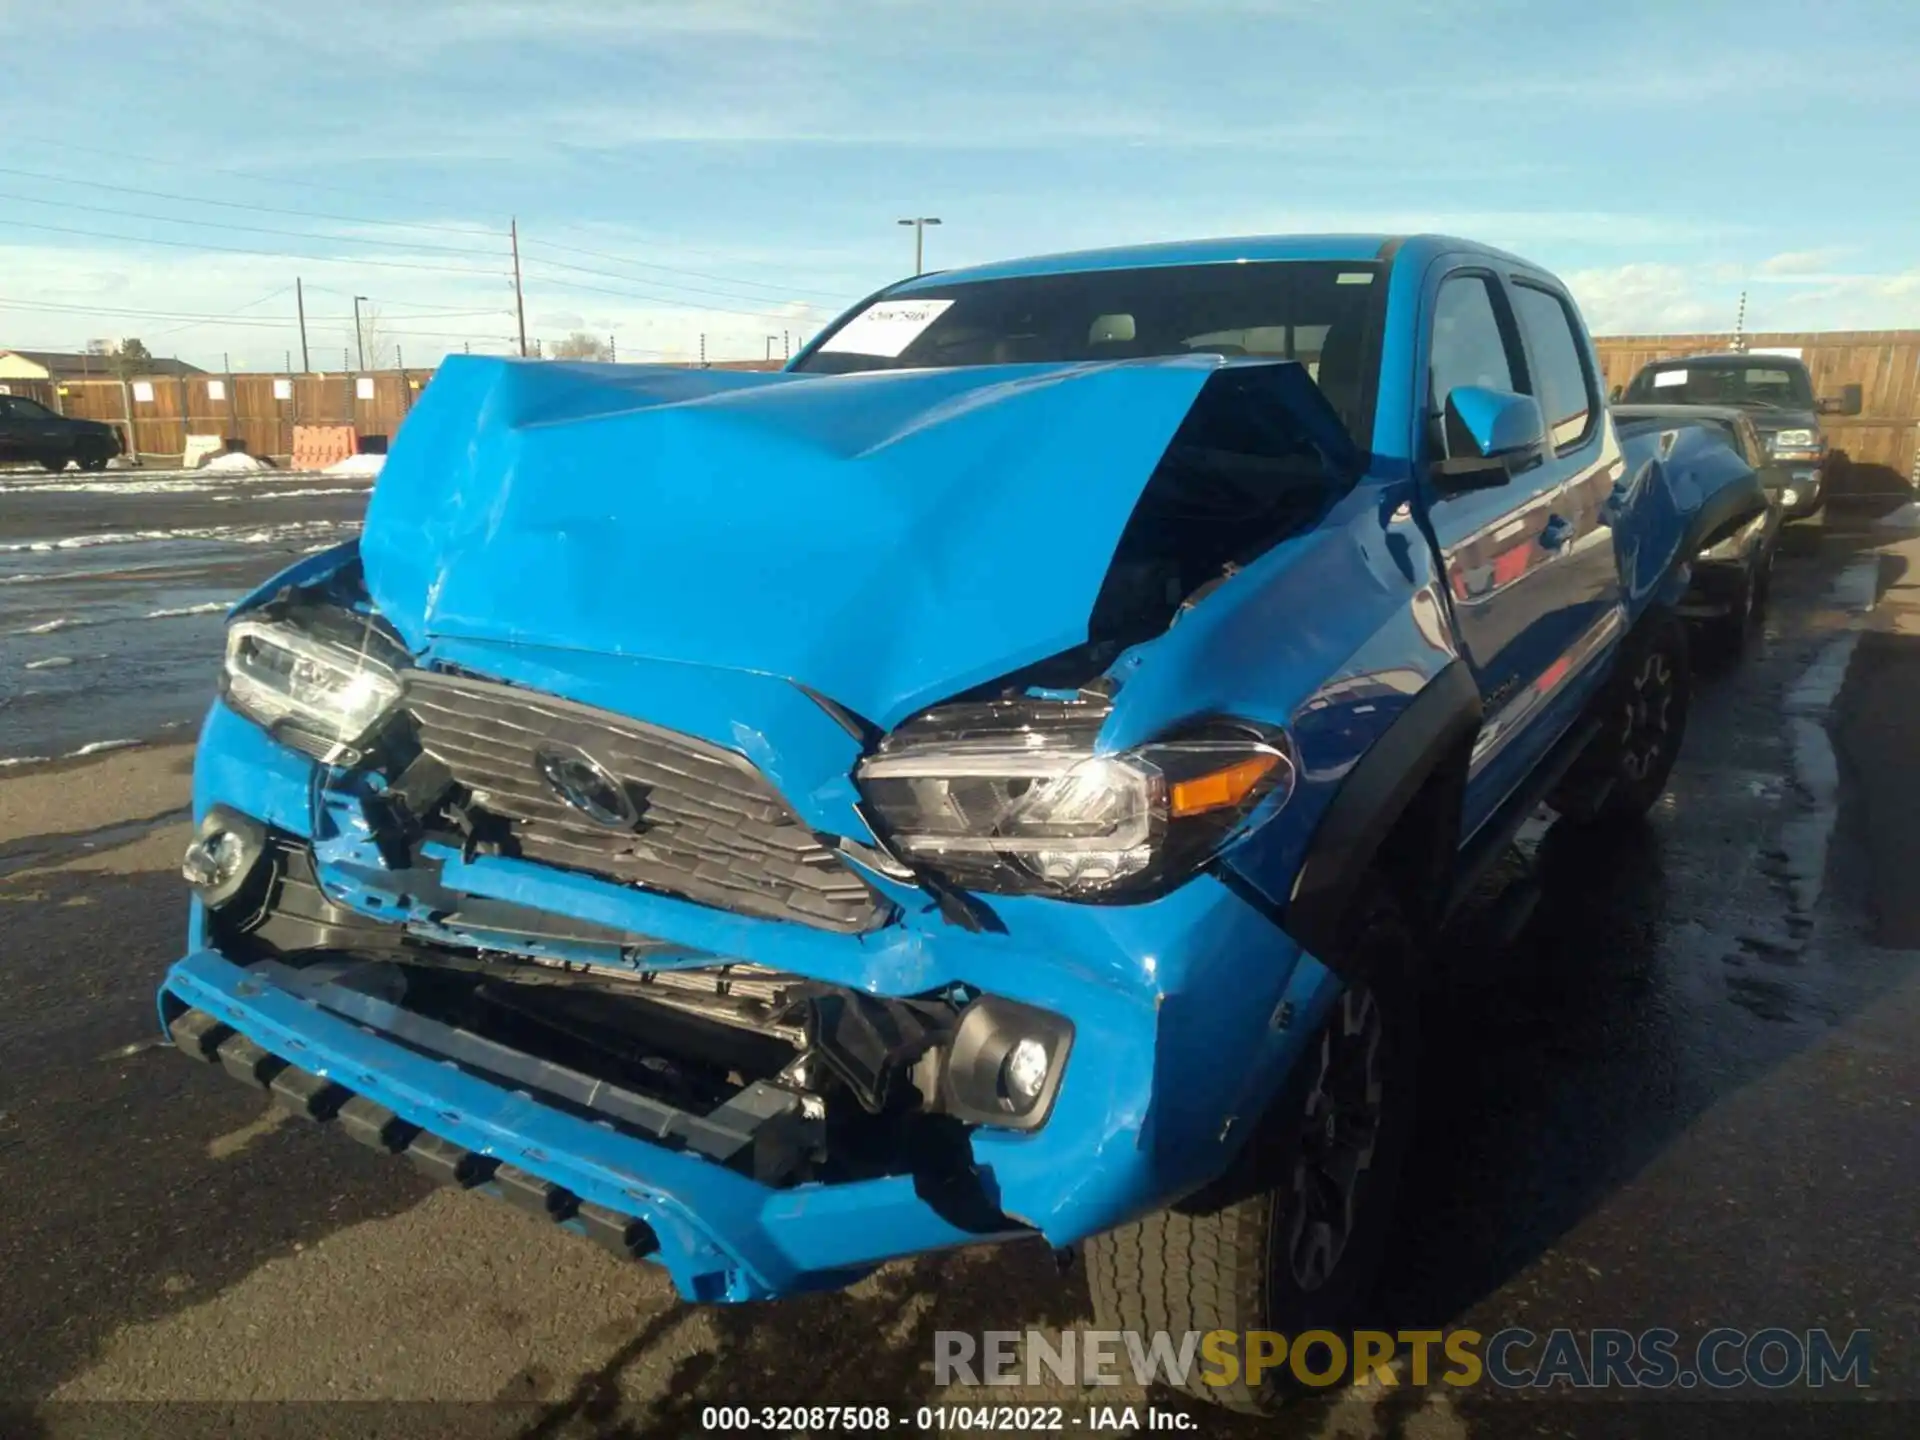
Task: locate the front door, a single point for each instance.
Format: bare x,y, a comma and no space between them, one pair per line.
1499,546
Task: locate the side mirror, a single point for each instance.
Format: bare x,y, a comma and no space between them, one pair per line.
1847,402
1492,435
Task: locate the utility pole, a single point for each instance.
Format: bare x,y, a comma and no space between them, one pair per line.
919,224
300,303
519,301
359,338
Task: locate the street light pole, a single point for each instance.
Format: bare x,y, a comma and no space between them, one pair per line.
919,224
359,340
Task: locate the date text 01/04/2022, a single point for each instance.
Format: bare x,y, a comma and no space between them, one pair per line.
1001,1419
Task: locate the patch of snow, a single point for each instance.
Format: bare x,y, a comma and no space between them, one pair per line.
367,465
211,607
235,462
52,662
102,745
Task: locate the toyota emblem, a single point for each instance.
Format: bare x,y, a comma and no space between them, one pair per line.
586,785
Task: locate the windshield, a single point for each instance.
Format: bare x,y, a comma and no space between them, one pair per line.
1324,314
1759,386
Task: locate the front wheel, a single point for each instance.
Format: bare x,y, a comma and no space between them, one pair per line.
54,464
1292,1238
1643,717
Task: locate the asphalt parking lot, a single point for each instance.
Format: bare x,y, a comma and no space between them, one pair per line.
1683,1095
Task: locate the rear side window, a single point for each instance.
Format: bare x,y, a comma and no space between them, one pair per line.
1564,391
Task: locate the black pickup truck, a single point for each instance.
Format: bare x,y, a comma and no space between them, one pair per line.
1776,391
30,433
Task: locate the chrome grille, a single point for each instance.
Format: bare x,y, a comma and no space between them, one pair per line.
711,828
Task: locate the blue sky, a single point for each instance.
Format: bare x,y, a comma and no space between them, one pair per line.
734,168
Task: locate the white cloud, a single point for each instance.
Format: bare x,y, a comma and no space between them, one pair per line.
1645,298
58,298
1793,262
1658,298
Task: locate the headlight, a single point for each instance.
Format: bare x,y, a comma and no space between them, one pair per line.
320,694
1011,798
1793,440
1789,496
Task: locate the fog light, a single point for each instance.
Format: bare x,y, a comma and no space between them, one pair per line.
1003,1067
1025,1071
223,855
214,859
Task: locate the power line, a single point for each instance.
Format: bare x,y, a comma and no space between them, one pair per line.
195,324
698,274
233,319
428,309
194,165
121,310
241,250
664,284
651,299
251,229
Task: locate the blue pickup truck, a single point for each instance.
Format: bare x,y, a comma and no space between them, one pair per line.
994,778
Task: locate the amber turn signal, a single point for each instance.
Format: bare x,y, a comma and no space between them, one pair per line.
1221,788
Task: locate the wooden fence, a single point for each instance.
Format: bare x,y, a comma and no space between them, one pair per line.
1876,449
157,414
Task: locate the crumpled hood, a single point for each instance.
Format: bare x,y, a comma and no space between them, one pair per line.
885,539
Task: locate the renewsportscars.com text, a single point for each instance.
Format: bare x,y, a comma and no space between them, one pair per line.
1771,1358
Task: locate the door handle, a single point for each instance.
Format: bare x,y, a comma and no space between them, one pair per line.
1557,532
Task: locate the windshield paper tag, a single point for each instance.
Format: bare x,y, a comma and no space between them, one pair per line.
1664,378
887,328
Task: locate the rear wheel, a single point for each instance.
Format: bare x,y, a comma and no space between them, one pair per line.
1643,718
93,462
55,463
1291,1240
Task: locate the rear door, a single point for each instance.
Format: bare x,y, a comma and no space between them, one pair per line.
1497,546
1584,466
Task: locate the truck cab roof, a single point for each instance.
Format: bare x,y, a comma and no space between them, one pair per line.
1225,250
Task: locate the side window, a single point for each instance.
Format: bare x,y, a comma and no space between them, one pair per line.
1565,389
1470,347
6,407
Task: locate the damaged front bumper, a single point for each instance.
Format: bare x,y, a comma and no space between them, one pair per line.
1181,1014
671,1199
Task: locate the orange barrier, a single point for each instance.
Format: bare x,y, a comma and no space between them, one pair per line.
317,446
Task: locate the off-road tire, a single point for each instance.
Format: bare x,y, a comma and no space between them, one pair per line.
1643,717
1221,1261
1727,634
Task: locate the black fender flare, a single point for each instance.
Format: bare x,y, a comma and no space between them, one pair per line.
1729,507
1440,721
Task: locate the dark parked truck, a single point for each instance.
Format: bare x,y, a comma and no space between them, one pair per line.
30,433
1776,390
989,780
